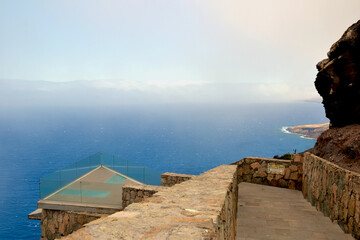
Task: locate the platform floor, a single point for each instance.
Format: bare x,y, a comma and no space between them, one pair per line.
98,187
266,212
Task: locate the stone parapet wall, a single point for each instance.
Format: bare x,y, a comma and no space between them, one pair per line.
204,207
334,191
135,193
57,223
273,172
170,179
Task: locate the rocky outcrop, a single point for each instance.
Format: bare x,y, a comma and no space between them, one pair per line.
338,79
340,145
338,82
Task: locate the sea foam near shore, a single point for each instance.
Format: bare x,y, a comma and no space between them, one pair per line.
284,129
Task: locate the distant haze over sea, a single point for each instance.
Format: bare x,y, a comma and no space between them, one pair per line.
25,93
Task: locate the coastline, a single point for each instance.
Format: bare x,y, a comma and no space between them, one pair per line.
285,129
310,131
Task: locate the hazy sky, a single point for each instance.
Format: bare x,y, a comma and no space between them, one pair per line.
259,50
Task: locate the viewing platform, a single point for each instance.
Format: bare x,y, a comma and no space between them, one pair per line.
93,184
254,198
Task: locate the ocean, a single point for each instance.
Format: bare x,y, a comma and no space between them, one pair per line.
178,138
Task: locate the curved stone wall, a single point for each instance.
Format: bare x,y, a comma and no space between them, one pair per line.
204,207
272,172
170,179
334,191
58,223
135,193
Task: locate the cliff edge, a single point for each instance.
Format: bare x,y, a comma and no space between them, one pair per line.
338,79
338,83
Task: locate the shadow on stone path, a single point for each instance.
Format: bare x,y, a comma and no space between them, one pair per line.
266,212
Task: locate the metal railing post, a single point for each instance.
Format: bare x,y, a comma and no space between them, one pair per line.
80,193
144,175
59,178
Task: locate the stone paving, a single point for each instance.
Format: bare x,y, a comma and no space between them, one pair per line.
266,212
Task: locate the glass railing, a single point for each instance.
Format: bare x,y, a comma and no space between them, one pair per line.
60,178
87,192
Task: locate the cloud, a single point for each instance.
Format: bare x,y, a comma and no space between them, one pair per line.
143,86
120,92
164,51
172,84
118,85
296,25
285,92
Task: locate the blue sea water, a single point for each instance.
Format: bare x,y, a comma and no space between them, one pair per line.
168,138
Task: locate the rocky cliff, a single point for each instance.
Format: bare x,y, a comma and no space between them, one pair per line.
338,82
338,79
339,145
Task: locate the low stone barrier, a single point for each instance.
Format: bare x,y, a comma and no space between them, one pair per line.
57,223
135,193
273,172
170,179
204,207
334,191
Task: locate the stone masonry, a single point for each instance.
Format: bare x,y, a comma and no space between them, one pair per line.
135,193
334,191
170,179
256,170
57,223
203,207
132,193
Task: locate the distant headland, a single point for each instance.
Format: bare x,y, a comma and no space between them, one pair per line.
309,131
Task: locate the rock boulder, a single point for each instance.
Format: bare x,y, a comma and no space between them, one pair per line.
338,79
338,82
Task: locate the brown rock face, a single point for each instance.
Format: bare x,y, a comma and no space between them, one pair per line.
338,79
338,82
340,145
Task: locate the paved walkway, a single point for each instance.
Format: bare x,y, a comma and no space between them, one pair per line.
266,212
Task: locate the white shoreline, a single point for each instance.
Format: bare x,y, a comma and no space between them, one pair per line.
284,129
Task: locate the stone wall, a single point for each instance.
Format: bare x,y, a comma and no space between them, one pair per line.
334,191
135,193
57,223
170,179
273,172
204,207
